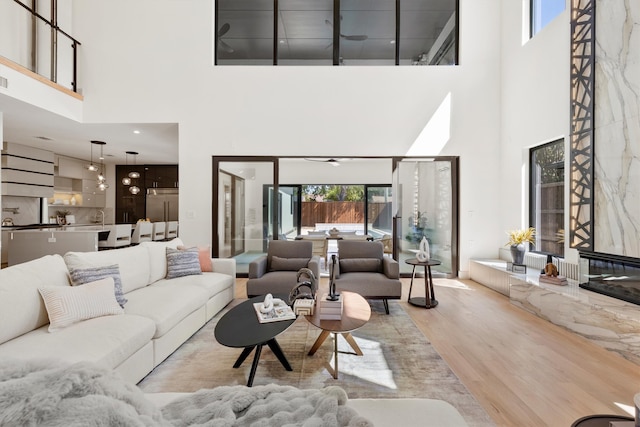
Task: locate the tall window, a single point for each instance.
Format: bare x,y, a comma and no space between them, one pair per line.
543,12
547,196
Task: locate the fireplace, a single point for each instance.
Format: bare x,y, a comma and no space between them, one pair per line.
612,275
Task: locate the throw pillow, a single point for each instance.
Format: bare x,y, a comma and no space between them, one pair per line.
182,262
80,276
350,265
70,304
288,264
204,256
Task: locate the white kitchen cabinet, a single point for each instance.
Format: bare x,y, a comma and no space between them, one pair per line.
27,171
70,168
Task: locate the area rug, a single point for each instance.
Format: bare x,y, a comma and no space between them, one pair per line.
398,362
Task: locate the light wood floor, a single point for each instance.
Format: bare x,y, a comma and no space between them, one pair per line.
523,370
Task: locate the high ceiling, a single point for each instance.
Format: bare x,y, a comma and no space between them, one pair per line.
25,124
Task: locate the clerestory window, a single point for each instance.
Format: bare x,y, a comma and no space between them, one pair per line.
336,32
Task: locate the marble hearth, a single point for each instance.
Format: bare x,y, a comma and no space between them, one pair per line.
611,323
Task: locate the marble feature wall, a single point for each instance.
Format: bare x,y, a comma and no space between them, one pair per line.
617,128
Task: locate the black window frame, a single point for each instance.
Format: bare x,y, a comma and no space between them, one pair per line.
560,164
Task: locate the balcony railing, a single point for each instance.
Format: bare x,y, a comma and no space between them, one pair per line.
39,44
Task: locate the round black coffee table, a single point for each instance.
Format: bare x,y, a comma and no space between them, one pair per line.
240,328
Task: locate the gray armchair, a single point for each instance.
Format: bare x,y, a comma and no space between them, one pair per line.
275,273
363,268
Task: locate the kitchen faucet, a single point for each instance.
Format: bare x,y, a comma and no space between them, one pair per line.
102,212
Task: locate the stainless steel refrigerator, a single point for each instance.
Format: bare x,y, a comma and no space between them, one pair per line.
162,204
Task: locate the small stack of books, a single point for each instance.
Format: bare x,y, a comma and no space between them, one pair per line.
554,280
330,310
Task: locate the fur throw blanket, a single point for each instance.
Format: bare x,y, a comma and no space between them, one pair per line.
82,394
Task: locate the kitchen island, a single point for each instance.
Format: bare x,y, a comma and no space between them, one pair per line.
28,244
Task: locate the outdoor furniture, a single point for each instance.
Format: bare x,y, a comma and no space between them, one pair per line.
387,243
275,272
320,243
363,269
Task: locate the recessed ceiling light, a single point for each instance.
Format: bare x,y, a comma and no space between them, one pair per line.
136,131
392,42
282,42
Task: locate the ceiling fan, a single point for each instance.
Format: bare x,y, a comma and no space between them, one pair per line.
355,37
221,43
332,161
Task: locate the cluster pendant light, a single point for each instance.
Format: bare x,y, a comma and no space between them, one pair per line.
134,189
102,179
126,180
91,166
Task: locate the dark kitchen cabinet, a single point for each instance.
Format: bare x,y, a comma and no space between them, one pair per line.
131,207
161,176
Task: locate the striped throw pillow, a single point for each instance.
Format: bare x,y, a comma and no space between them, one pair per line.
182,263
68,304
80,276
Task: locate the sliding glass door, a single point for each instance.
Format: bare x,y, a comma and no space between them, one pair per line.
426,205
251,208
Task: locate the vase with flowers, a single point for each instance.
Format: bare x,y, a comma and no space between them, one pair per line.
518,243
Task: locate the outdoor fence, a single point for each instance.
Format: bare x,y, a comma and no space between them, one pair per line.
340,212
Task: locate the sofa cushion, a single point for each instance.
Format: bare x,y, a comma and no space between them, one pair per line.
80,276
21,307
70,304
288,264
370,285
108,340
349,265
204,256
213,283
182,262
167,302
133,263
157,253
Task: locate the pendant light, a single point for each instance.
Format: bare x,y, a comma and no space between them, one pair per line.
126,180
134,189
91,166
134,174
102,179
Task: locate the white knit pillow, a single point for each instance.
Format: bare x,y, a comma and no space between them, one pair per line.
70,304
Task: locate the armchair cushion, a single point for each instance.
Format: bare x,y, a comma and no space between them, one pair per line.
349,265
288,264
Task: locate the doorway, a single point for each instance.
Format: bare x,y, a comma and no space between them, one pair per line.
418,197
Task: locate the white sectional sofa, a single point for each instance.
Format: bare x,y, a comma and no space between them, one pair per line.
159,316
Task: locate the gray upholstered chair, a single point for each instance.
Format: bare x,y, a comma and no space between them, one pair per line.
363,268
275,272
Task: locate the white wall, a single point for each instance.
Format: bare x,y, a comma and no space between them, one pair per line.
535,105
151,61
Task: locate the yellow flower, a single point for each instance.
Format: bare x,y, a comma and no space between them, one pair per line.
517,237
